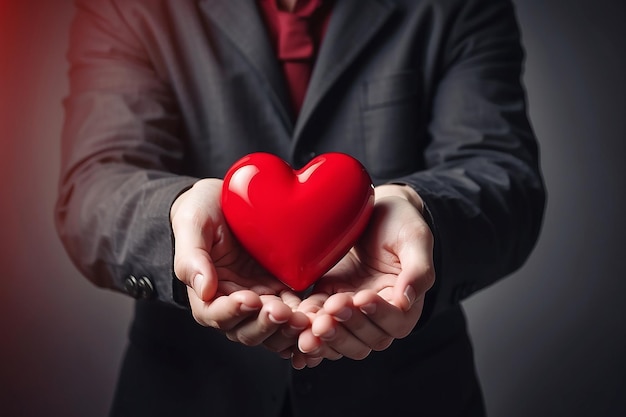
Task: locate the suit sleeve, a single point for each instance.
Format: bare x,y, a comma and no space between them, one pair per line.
122,148
483,188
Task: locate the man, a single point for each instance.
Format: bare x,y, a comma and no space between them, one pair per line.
166,95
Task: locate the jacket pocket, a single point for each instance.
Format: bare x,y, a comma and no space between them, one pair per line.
392,124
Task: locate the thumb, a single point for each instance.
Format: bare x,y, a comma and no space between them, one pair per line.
196,270
192,262
192,229
417,271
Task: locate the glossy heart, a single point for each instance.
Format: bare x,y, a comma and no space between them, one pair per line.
297,223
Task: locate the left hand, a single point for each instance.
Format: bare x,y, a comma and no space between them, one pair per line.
227,289
375,294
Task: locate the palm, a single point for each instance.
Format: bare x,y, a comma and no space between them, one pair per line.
394,245
364,267
237,270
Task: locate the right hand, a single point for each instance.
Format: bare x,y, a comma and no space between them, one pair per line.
376,293
228,290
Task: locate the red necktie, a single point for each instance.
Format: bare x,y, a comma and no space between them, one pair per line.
296,48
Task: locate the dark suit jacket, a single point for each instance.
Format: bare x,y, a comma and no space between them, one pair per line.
422,92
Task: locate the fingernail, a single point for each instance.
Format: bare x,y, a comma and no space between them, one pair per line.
369,308
275,320
344,314
409,293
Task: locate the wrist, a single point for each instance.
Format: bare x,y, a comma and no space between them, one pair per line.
202,193
403,191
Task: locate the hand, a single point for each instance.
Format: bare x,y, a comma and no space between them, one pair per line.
375,294
227,289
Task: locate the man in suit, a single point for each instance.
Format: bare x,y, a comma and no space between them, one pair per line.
166,94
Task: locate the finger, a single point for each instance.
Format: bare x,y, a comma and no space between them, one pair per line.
225,312
296,325
313,362
284,339
301,360
313,303
338,338
308,343
286,354
270,319
343,310
388,317
313,358
291,299
298,360
287,336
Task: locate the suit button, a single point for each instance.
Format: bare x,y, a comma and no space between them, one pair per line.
146,289
132,286
139,287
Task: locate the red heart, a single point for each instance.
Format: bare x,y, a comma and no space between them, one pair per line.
297,224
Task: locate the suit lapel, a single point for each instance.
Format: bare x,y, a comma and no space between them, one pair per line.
352,26
241,22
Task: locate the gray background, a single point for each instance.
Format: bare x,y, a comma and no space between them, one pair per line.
550,340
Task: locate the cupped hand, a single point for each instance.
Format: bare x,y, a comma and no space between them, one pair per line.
227,289
375,294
